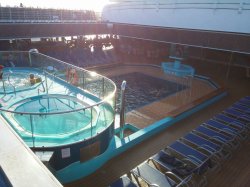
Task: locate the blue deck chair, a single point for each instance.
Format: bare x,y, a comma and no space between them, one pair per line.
169,163
232,121
202,161
241,108
124,181
247,97
206,145
228,141
182,170
152,176
244,102
238,115
231,130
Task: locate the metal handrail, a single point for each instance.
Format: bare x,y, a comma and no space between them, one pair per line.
180,5
11,84
4,90
51,113
38,90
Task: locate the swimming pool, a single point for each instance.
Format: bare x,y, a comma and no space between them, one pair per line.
142,89
16,81
51,112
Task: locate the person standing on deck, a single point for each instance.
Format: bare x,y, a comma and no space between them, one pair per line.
1,72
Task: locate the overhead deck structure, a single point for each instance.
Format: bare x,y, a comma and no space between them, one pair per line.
209,24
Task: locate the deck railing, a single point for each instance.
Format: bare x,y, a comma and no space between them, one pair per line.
181,4
37,15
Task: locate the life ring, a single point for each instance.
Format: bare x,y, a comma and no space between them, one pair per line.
179,51
72,76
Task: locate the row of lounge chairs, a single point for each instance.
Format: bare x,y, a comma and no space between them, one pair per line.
189,160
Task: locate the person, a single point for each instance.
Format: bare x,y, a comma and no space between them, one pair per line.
34,80
1,72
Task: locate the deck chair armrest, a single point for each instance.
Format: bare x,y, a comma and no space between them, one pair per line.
173,176
244,116
208,147
180,181
154,185
238,126
220,139
185,181
187,161
204,150
213,154
229,131
198,161
232,133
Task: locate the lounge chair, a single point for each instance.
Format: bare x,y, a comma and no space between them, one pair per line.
152,176
208,146
244,102
228,141
241,108
234,112
247,97
232,121
231,130
238,115
182,170
202,161
124,181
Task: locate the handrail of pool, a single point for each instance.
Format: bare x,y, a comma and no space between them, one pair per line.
4,90
52,113
11,84
112,94
38,90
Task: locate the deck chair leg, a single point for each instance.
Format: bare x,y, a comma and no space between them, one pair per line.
136,179
203,182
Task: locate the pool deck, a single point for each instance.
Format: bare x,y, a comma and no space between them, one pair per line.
233,172
28,166
19,163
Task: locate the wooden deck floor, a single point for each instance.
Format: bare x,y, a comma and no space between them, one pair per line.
235,172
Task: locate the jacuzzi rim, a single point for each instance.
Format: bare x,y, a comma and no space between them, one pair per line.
51,113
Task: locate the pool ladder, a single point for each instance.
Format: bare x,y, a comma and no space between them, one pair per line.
14,88
39,90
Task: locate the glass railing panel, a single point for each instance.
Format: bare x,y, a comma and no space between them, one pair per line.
49,115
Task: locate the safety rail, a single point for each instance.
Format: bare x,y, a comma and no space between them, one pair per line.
39,90
25,14
4,89
14,88
184,4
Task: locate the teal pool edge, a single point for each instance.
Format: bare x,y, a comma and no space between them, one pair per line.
78,170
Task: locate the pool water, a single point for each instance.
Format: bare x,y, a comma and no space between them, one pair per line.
17,81
142,89
48,125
